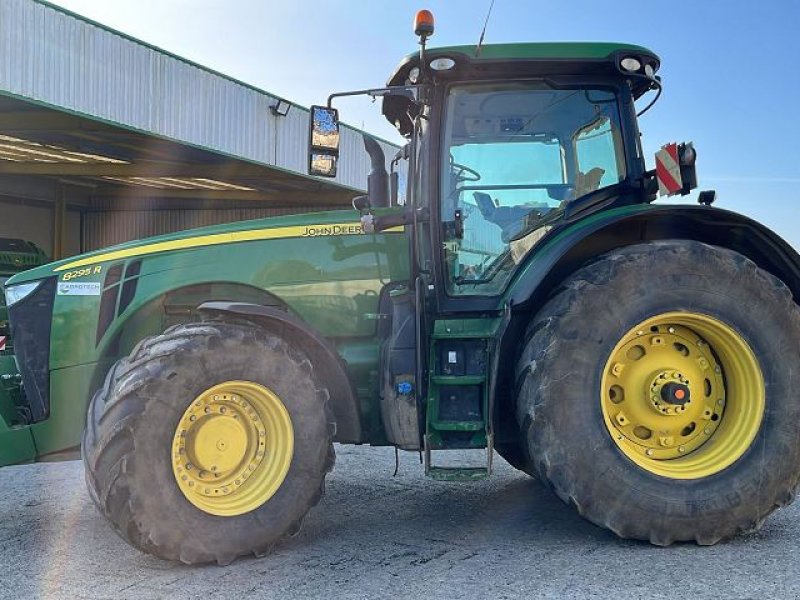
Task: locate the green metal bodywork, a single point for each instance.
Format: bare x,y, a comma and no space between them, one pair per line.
325,271
332,281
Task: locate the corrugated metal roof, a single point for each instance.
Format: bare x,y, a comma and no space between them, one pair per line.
57,58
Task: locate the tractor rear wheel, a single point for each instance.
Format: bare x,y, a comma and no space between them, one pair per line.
211,441
658,393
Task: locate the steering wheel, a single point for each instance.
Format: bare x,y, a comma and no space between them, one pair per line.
461,169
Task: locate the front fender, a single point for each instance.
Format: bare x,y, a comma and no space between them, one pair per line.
325,359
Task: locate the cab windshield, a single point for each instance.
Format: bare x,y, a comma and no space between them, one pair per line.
514,157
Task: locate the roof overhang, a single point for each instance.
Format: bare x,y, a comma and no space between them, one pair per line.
120,165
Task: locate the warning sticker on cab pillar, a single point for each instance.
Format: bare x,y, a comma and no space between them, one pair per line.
79,288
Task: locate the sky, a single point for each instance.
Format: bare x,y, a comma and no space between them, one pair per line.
729,67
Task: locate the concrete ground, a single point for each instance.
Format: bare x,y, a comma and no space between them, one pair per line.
375,536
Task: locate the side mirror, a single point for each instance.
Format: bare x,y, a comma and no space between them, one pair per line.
323,141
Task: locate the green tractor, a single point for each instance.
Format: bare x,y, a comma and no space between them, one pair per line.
522,294
15,256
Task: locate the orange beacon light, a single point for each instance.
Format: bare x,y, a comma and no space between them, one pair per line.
423,23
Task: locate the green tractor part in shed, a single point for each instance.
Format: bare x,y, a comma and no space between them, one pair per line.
16,444
509,285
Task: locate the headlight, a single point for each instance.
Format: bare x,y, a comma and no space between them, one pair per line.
15,293
630,63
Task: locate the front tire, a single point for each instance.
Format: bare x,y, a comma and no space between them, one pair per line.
658,393
211,441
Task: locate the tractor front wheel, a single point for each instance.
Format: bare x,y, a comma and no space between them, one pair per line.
658,393
209,442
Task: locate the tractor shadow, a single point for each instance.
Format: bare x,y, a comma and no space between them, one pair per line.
363,501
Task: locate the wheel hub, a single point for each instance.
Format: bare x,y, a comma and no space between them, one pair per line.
224,461
665,395
670,393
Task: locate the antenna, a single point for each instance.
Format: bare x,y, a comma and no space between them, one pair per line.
483,32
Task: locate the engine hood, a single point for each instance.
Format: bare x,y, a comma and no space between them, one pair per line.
328,223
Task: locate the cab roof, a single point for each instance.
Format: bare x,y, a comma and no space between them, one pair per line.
542,53
522,60
545,50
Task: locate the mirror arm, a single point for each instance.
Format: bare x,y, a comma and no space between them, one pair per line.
408,91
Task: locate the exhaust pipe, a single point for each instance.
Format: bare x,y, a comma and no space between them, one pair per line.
378,179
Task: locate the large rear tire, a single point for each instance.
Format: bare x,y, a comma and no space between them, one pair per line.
658,393
211,441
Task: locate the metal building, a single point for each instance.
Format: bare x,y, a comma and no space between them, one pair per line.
104,138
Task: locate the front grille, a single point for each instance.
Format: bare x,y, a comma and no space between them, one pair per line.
30,326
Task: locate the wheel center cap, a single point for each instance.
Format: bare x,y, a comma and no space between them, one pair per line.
675,393
219,441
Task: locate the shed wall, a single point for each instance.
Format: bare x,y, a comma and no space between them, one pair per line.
56,58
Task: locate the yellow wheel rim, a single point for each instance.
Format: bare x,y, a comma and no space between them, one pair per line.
232,448
683,395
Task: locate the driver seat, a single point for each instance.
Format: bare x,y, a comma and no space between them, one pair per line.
510,219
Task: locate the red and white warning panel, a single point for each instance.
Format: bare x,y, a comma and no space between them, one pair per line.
2,343
668,170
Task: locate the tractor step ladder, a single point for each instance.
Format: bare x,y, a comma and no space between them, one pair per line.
447,432
475,473
457,415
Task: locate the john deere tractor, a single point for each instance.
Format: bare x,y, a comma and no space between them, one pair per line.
508,286
15,444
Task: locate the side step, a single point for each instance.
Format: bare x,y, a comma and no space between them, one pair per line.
460,473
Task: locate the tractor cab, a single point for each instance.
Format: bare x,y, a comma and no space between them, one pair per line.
505,143
506,146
